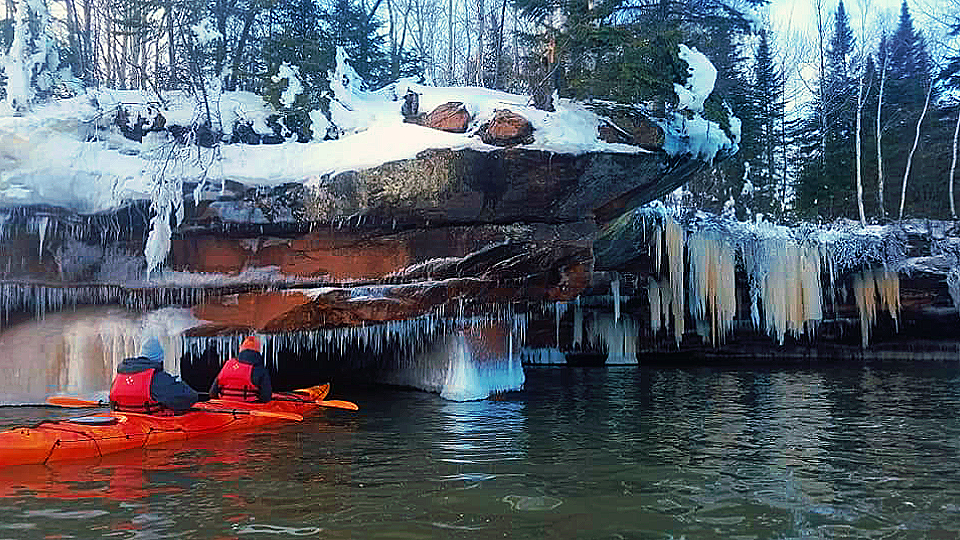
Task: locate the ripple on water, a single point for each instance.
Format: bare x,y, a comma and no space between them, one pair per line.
532,504
258,528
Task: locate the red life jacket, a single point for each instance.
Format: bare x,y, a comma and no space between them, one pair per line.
131,392
235,384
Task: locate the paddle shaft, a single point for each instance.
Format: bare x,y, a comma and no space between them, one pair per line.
69,402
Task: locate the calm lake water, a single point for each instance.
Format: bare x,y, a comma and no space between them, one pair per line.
858,452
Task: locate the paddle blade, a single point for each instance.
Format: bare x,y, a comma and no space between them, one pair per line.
339,404
270,414
74,403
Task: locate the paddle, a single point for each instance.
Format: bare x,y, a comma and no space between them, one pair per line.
75,403
338,403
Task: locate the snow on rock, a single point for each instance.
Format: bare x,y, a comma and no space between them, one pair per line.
68,153
701,78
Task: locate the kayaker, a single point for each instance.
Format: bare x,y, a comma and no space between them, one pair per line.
141,385
244,378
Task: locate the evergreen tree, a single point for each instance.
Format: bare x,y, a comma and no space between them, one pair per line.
909,78
909,71
348,26
827,183
761,148
621,50
300,46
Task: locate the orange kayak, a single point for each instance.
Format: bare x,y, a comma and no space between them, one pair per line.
96,435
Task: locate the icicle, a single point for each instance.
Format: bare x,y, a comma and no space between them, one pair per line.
559,309
615,291
864,290
542,356
713,299
873,287
42,231
653,294
674,244
577,323
620,338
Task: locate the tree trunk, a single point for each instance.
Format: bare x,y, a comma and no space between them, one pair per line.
221,55
241,44
466,30
481,20
860,99
497,76
883,80
450,70
953,164
73,31
171,46
916,141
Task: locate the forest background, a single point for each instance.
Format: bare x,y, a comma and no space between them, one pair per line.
835,123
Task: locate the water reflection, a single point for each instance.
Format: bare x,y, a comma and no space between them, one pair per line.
860,452
853,452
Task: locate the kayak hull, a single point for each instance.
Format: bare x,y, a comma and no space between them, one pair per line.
99,434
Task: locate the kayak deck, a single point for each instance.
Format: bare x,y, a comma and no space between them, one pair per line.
86,437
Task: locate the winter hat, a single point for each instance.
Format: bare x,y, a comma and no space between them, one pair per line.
250,344
151,349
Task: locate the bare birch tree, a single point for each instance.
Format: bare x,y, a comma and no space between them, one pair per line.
913,149
862,93
882,67
953,163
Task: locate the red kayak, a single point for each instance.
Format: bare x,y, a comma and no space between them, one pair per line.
108,432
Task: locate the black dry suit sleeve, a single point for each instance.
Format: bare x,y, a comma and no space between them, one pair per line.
171,393
262,380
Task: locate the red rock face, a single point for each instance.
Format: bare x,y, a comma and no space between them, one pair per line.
452,117
318,254
507,129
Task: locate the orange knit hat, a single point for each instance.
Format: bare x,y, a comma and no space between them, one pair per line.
250,344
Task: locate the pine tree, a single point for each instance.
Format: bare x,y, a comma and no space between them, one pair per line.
301,46
767,98
348,26
827,184
905,105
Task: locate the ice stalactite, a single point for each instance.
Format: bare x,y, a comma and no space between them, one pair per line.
42,299
469,378
77,352
675,239
653,294
615,292
42,232
785,283
953,286
875,290
713,298
620,337
668,240
415,352
577,323
559,309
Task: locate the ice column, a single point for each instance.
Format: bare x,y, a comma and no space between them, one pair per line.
873,287
713,297
785,282
478,369
667,246
620,337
